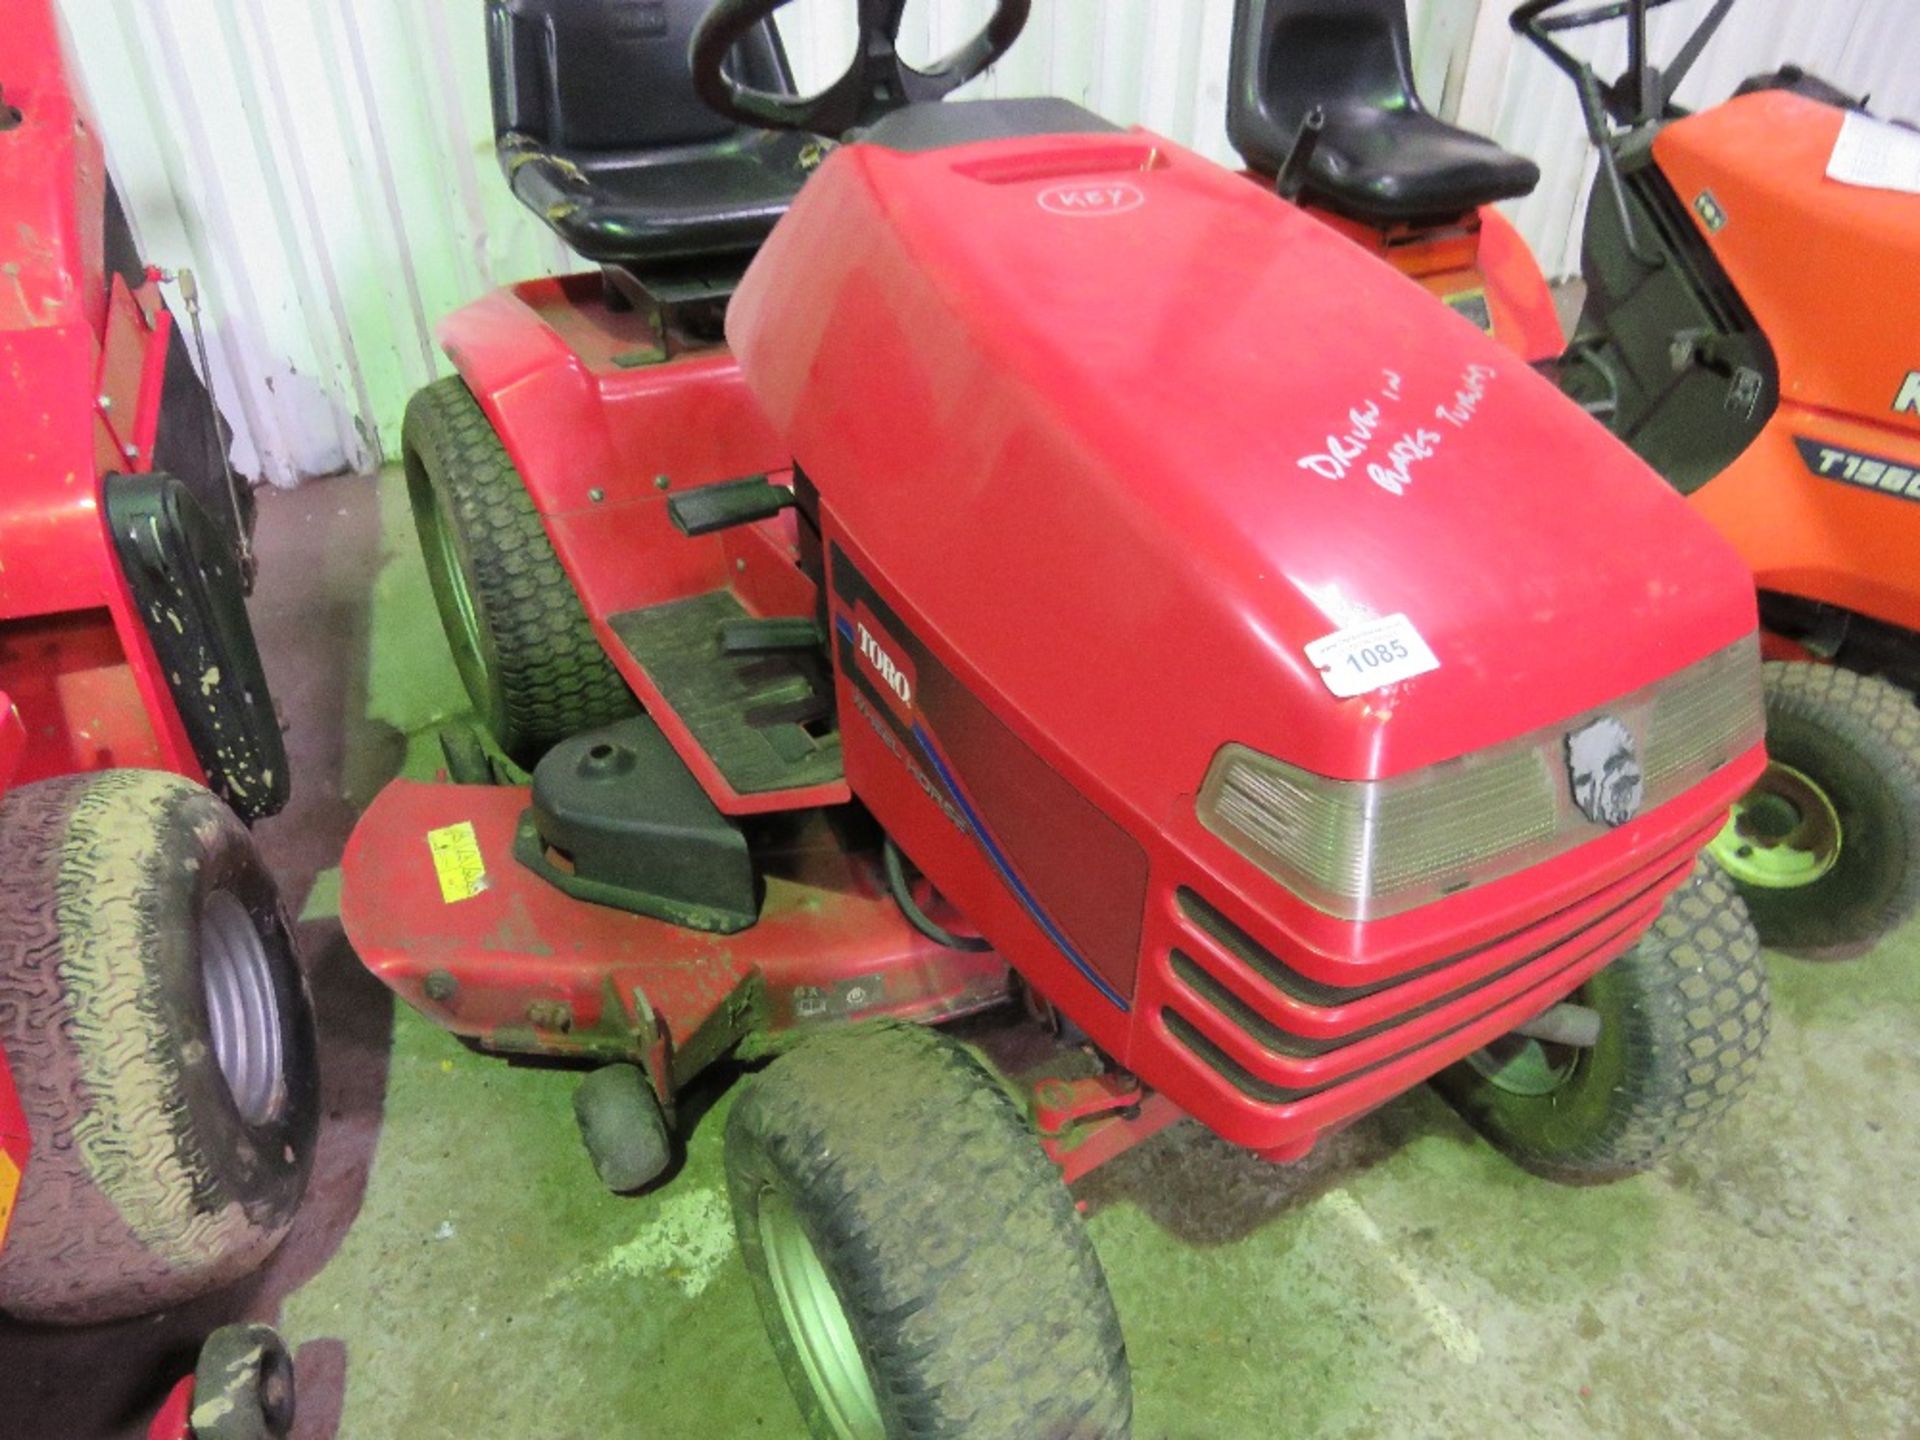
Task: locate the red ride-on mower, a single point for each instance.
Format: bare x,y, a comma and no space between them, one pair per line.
1075,576
1715,342
151,1003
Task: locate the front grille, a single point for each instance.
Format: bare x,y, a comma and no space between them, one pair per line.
1210,922
1352,1015
1270,1035
1216,1059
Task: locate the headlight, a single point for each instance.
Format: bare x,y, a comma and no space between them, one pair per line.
1364,849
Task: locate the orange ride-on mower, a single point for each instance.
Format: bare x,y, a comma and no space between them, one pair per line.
151,1004
1718,341
991,613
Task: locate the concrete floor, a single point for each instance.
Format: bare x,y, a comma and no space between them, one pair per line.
457,1272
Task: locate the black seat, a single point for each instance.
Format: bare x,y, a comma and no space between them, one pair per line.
601,134
1381,157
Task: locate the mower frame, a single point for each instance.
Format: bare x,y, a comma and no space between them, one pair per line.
123,634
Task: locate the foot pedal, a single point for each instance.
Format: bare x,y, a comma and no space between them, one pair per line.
771,637
802,714
730,503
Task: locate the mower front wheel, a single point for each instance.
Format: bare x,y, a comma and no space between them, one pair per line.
243,1387
520,637
920,1268
1825,849
1683,1019
623,1128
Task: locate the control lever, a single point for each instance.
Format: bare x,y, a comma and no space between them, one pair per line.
730,503
1292,178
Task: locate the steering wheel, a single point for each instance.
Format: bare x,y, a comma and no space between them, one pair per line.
877,82
1533,21
1528,22
1641,94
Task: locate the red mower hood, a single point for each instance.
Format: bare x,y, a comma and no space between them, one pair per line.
1128,434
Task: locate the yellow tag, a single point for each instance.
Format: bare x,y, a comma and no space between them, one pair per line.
9,1187
456,860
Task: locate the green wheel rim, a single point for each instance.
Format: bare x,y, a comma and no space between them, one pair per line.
1781,835
446,559
817,1323
1521,1065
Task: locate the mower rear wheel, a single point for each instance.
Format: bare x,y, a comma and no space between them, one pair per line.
920,1268
1684,1017
1825,849
158,1028
520,637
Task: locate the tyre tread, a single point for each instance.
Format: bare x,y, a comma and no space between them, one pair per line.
1878,721
963,1243
553,679
1696,1012
114,1217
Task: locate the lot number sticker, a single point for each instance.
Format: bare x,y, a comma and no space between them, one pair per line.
457,861
1371,656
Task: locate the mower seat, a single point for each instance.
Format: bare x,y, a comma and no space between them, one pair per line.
1381,158
601,135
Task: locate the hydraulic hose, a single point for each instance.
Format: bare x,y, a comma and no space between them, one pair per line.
896,865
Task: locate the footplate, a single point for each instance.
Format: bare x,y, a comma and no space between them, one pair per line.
764,719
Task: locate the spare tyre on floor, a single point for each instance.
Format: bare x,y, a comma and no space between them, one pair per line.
159,1032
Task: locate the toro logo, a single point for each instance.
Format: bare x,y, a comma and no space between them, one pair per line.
893,677
1112,197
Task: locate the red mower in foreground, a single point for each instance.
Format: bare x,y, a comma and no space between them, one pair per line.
152,1010
1075,577
1714,341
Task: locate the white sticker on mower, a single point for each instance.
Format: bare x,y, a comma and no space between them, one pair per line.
1371,656
1876,155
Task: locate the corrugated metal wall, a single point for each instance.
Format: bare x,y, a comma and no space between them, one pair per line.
326,165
